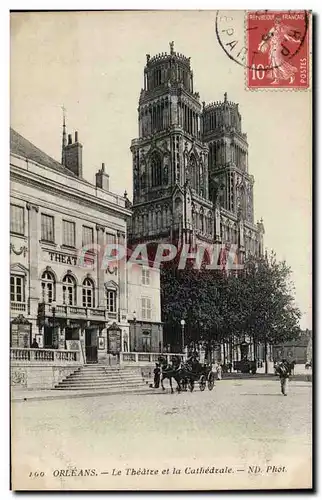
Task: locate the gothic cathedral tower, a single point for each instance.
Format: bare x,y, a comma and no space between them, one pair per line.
230,184
190,164
170,161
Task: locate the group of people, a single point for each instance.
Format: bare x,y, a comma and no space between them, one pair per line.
283,370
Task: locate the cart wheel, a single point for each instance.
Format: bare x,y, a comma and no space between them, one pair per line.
191,385
202,383
211,381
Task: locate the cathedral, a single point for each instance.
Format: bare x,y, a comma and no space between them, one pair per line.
190,165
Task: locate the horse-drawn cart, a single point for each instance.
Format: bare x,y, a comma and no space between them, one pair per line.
186,374
204,377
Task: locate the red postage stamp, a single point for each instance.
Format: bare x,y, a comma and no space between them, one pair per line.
278,49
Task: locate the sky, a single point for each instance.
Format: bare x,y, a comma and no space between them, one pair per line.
93,62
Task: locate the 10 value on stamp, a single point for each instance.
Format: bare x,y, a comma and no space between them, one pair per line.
273,47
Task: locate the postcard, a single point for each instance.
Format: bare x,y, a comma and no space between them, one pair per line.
160,250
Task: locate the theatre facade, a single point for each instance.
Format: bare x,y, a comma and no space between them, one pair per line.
59,299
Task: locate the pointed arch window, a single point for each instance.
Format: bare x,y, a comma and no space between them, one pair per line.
193,171
88,293
69,291
156,169
48,287
201,221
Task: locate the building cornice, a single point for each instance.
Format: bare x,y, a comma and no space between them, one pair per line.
64,210
82,197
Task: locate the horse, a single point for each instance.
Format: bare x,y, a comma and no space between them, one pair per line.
189,372
170,372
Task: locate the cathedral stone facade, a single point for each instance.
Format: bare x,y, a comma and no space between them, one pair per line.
190,164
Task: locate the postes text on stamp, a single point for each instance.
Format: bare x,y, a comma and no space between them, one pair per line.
277,49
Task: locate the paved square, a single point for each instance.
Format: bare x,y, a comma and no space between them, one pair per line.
240,424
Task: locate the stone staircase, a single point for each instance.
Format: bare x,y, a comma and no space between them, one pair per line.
104,378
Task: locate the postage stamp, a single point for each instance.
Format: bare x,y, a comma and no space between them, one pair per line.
278,49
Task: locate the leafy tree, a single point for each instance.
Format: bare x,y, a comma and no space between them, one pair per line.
259,302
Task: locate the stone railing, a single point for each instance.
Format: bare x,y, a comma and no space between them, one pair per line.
144,358
77,312
18,306
51,356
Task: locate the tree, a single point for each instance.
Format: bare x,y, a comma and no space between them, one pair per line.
271,315
258,302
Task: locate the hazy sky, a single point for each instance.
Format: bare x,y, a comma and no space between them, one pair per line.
93,64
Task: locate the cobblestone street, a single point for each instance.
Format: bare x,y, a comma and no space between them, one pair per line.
237,425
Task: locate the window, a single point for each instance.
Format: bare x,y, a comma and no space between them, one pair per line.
145,276
69,291
156,169
88,293
111,240
111,300
48,287
88,235
146,308
17,219
17,287
47,228
68,233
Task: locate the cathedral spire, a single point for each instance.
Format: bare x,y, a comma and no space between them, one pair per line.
64,138
171,47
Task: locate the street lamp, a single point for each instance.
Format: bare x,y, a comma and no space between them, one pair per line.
182,334
53,308
134,330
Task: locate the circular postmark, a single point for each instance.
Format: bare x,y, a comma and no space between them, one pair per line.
245,36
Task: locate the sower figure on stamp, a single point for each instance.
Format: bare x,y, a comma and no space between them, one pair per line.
280,69
283,369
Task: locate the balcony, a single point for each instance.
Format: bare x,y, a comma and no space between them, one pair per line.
18,309
76,312
18,306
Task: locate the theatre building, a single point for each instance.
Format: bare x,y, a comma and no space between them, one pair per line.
57,298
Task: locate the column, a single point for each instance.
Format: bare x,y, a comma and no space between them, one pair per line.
122,279
61,337
33,293
100,270
82,342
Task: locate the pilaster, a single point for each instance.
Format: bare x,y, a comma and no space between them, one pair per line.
33,251
100,267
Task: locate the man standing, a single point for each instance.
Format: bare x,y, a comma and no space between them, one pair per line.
283,369
157,373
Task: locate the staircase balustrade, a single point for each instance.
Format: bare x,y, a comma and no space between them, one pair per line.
51,356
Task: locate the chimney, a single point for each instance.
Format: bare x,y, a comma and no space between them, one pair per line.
103,179
73,153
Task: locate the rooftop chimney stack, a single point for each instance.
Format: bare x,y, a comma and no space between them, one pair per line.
103,179
73,155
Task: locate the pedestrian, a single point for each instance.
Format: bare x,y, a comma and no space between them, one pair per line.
157,373
34,344
219,371
283,369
